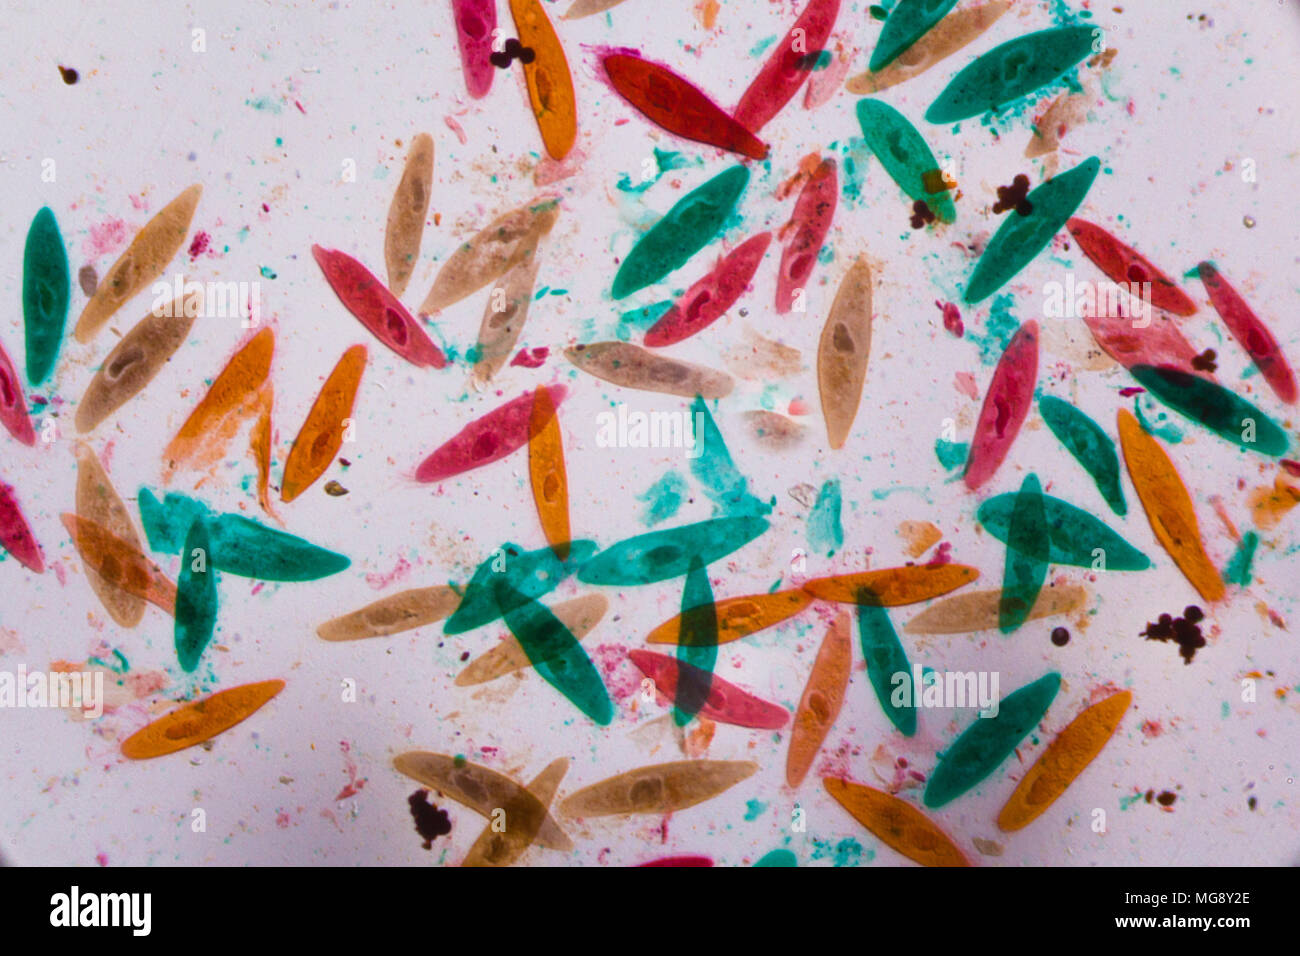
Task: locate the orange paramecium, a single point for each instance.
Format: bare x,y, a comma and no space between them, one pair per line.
893,587
231,398
1168,506
821,701
896,823
199,721
119,563
322,432
546,472
259,445
550,84
1063,760
741,616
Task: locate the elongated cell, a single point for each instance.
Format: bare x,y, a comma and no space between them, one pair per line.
697,644
47,287
684,230
896,823
547,76
137,359
140,266
661,555
1249,330
906,156
659,788
990,740
526,575
630,366
785,71
710,297
376,308
823,696
546,473
16,535
322,432
1016,68
678,106
741,616
196,598
1023,572
843,351
810,222
1168,506
1123,264
1212,406
906,24
1089,444
406,213
1074,536
885,657
726,703
1007,402
973,611
476,21
1021,238
580,616
13,404
98,502
202,720
489,438
1067,756
892,587
393,614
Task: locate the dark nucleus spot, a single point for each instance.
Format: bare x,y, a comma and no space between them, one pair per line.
1060,636
430,822
70,76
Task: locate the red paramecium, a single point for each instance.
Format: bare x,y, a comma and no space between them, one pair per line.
1124,264
813,212
1006,404
788,67
708,299
377,308
674,104
487,439
1249,330
726,703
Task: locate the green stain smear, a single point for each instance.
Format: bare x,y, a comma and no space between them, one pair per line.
1166,430
778,858
1224,710
264,104
1239,566
1073,535
1126,802
885,657
239,545
713,468
1089,444
856,157
196,598
762,45
1010,71
910,20
753,809
665,160
1023,573
1212,406
526,575
663,499
1000,328
267,272
1020,238
660,555
825,533
554,652
47,289
697,645
634,322
683,231
848,852
905,155
989,741
951,454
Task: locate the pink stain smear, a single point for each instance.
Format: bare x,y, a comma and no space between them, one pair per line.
531,358
456,128
798,406
11,642
823,83
101,858
951,318
105,239
381,581
1152,729
621,677
943,555
199,245
282,820
964,382
355,785
552,170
